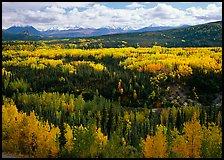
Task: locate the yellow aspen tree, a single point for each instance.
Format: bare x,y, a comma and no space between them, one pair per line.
156,146
13,131
100,138
16,129
69,138
71,106
43,140
193,135
148,147
188,145
27,140
54,140
160,143
179,145
10,127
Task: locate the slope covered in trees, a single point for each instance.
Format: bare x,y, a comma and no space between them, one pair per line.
111,102
204,35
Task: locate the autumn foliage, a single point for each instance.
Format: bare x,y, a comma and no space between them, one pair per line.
111,102
25,134
156,146
188,145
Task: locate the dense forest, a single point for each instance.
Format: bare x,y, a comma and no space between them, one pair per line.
60,100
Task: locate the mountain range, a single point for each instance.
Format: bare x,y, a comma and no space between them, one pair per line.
202,35
29,32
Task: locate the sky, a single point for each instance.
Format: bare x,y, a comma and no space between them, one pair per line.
129,15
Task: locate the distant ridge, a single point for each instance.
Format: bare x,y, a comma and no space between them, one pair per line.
202,35
19,29
16,32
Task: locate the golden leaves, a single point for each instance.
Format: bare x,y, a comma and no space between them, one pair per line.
27,135
188,145
100,138
156,146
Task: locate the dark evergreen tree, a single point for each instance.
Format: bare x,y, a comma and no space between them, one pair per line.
171,122
179,122
134,134
104,120
203,117
110,121
62,139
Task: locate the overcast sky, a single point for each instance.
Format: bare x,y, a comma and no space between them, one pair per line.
62,15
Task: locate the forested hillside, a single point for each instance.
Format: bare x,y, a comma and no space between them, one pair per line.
155,102
204,35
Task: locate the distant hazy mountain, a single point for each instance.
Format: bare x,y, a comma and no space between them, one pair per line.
83,32
86,32
18,32
27,30
106,31
209,34
158,28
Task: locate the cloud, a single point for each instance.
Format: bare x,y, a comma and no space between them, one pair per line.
164,11
218,3
44,15
186,2
22,5
39,5
38,17
134,5
210,13
55,10
73,4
